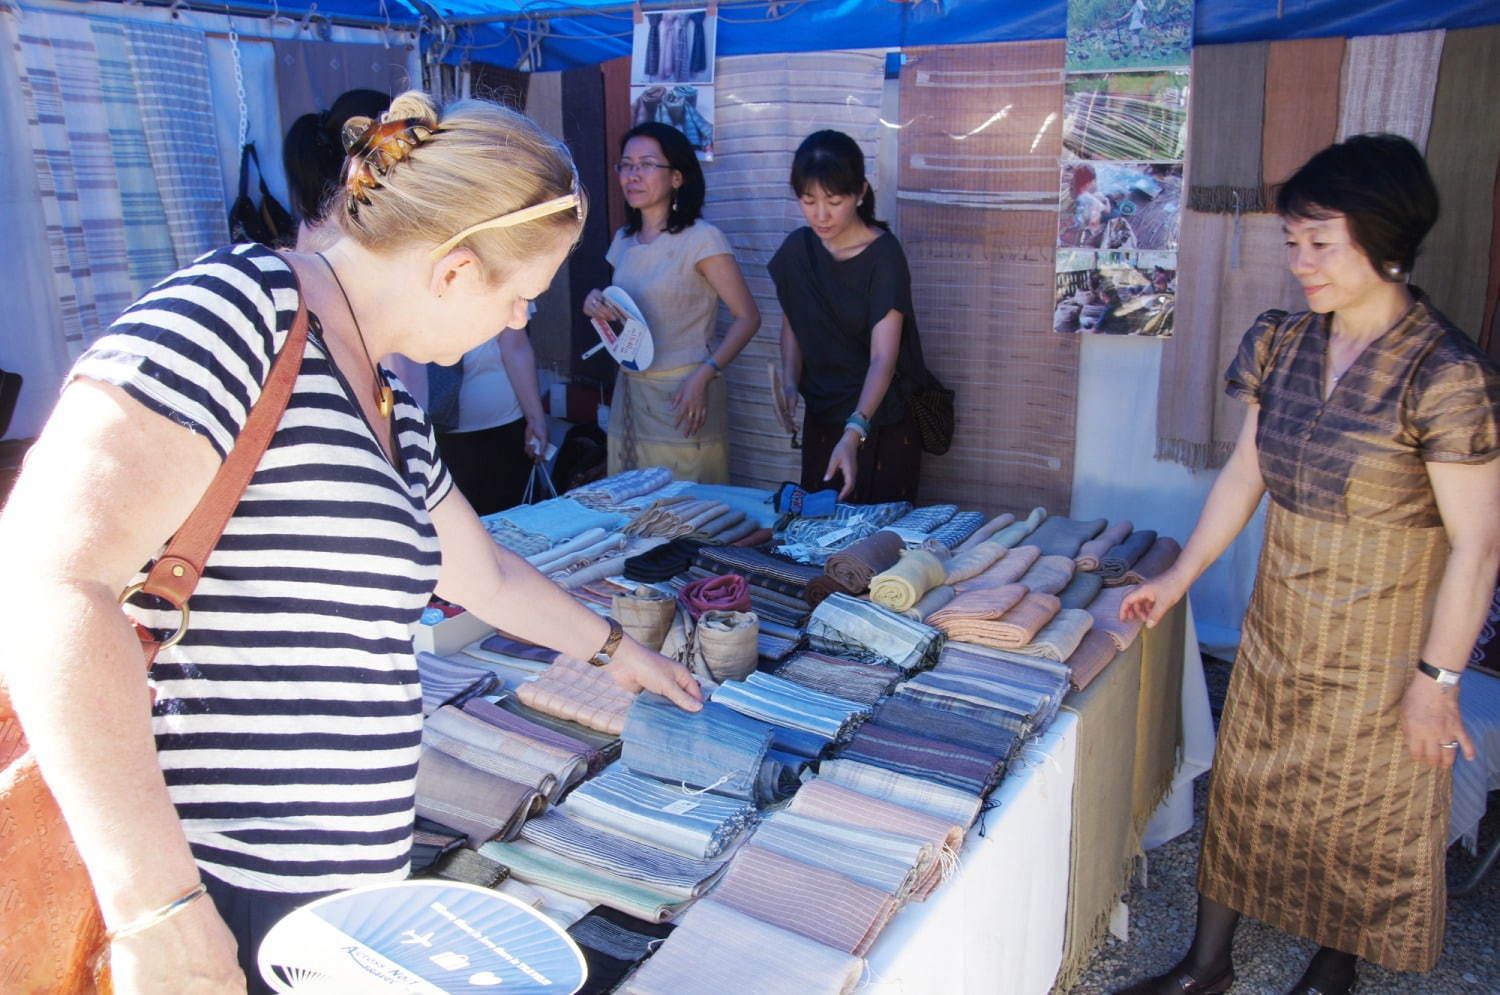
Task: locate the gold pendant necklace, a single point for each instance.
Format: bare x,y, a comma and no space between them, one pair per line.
385,400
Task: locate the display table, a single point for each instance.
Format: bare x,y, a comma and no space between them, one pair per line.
1040,876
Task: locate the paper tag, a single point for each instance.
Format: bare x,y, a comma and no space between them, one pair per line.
837,534
619,581
912,537
680,807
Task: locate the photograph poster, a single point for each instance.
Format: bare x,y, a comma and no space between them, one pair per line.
1129,34
689,109
1115,293
1120,205
674,46
1138,117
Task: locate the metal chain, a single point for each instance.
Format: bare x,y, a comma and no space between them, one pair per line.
239,84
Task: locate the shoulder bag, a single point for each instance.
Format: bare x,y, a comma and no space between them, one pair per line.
51,931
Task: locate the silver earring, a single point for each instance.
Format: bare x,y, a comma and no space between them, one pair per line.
1394,271
674,201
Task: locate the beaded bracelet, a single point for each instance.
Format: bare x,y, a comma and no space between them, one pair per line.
718,370
150,919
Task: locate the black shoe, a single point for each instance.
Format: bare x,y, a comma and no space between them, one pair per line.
1317,980
1179,982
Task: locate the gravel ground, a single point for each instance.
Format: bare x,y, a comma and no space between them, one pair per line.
1269,962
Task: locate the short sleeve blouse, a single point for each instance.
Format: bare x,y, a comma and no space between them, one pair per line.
677,301
1422,392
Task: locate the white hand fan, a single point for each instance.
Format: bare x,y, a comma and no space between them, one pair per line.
629,342
419,938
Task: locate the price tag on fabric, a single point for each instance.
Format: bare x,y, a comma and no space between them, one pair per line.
680,807
835,536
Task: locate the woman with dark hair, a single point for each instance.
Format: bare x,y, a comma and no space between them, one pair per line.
1374,425
313,156
677,268
849,343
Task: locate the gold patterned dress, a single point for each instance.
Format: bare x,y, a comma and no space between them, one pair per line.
1319,822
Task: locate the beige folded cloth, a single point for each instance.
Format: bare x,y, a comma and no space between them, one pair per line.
903,585
1090,552
573,690
931,602
1012,534
1095,652
1105,609
1049,574
974,560
984,604
724,645
1005,617
645,614
1157,561
1007,570
986,530
1060,636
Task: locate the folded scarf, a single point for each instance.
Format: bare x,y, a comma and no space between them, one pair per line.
758,537
689,822
560,518
476,803
1049,574
538,866
1009,569
582,576
512,768
819,588
721,526
980,697
971,561
913,716
430,842
923,756
590,756
613,943
986,530
845,626
728,592
753,501
732,535
1101,544
725,645
913,792
1224,128
1017,626
1156,561
622,487
931,602
853,567
563,549
468,867
1094,653
760,569
983,604
957,529
607,548
449,681
925,520
573,690
888,861
1060,636
1388,85
1011,535
608,744
662,563
1302,106
1059,536
717,948
645,614
782,702
715,749
1105,610
517,540
861,683
1122,557
1080,590
620,856
539,765
814,902
904,583
822,799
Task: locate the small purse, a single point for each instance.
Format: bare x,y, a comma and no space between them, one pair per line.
51,931
268,223
932,409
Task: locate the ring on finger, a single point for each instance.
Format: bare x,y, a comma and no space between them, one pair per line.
1449,746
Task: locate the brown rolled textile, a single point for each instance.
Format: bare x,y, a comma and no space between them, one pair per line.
1007,570
1157,561
854,566
1092,551
645,614
819,588
759,537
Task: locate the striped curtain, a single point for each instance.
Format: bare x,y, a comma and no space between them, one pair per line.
121,140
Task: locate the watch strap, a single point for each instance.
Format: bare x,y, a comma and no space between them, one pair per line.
611,643
1438,673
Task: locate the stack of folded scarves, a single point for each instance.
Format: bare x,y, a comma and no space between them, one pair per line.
516,539
677,516
613,943
717,948
1027,673
662,563
688,821
620,856
760,569
1049,574
1059,536
848,627
467,867
467,737
1060,636
573,690
1114,534
863,683
1003,617
967,768
715,749
446,681
985,531
560,519
1114,564
1105,611
986,700
1014,533
925,519
539,866
784,703
477,803
1154,562
894,863
907,714
728,592
622,488
956,530
813,540
607,744
1007,569
590,756
906,790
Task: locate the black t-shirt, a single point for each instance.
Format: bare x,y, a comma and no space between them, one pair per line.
833,306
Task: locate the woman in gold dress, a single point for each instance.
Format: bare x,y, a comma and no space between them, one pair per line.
1372,424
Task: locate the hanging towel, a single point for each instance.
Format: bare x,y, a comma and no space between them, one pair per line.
904,583
1302,106
1089,552
1388,84
1095,652
1224,128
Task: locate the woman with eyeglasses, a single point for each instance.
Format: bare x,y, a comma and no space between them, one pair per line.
278,754
677,268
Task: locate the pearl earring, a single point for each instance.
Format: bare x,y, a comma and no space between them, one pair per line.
1394,270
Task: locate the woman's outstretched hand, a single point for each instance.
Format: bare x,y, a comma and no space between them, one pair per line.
844,460
1151,601
636,668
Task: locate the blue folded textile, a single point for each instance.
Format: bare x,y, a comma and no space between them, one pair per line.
622,856
450,682
716,749
754,502
788,704
693,823
958,528
925,519
560,518
861,630
798,742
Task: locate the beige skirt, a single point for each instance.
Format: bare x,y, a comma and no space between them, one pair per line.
642,433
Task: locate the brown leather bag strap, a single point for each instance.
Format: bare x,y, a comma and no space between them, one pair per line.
176,572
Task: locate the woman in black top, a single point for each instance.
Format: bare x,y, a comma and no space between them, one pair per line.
849,340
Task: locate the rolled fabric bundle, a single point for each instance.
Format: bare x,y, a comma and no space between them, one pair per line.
912,576
1080,590
819,588
1013,533
474,802
1009,569
727,592
645,614
1090,552
725,645
1060,536
594,552
931,602
854,566
1123,556
1105,610
1049,574
1060,636
974,560
985,531
581,541
986,604
1156,561
611,566
1095,652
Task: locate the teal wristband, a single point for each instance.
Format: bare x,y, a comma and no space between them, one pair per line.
717,368
859,423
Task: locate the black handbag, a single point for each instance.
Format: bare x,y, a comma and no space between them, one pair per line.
269,223
932,409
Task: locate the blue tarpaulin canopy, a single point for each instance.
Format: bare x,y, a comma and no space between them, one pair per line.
570,33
